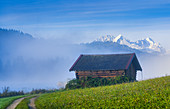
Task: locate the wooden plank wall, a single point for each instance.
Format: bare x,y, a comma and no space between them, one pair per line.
131,72
100,74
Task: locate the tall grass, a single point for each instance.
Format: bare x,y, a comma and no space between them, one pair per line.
153,93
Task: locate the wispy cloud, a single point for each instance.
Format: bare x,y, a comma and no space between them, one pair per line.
54,11
85,18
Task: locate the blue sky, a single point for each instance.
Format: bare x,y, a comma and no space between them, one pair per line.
85,20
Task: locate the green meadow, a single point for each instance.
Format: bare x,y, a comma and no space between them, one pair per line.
153,93
4,102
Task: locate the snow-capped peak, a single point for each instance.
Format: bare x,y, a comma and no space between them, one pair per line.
150,40
110,38
106,38
151,44
119,37
147,44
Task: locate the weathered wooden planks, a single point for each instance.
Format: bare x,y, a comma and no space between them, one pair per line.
101,74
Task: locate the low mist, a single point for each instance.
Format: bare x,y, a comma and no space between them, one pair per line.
45,63
37,63
154,66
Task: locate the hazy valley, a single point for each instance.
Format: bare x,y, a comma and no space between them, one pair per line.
27,62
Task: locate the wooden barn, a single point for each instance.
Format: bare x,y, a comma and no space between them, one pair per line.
104,66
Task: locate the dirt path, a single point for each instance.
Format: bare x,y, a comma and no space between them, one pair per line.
15,103
32,103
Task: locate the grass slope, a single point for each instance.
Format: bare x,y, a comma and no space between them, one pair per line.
4,102
153,93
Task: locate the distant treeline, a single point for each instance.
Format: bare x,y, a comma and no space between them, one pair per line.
94,82
11,33
39,91
7,93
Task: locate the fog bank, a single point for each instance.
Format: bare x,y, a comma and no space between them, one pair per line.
44,63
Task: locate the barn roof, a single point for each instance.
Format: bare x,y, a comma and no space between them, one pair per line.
105,62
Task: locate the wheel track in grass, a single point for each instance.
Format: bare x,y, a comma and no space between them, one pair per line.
32,103
15,103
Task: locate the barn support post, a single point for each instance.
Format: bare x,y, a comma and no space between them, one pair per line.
141,75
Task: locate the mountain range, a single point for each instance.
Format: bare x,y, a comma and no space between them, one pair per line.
120,43
108,42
